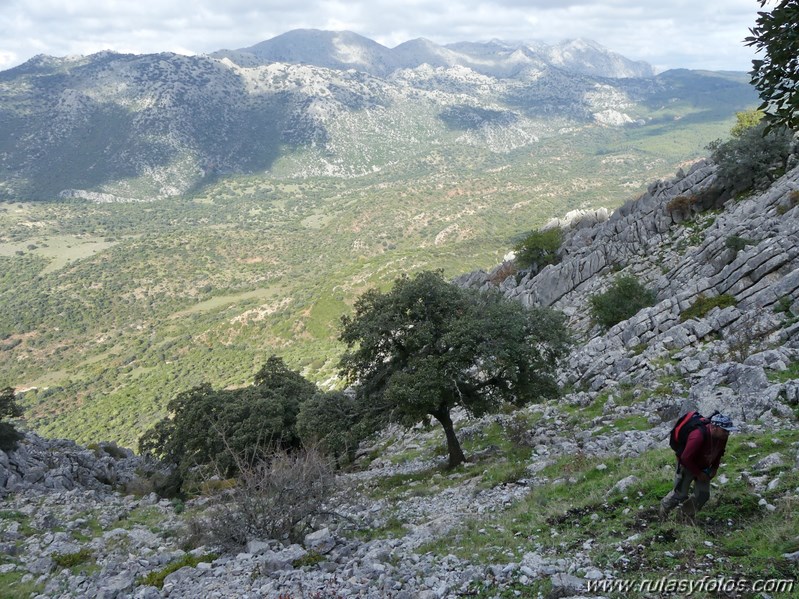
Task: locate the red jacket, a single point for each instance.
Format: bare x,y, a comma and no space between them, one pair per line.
702,451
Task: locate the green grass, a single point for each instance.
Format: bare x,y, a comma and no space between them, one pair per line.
627,423
578,506
399,485
791,373
58,250
703,305
149,517
93,530
12,587
156,578
71,560
392,529
15,516
309,560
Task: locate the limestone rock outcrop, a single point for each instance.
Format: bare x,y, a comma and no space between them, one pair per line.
669,240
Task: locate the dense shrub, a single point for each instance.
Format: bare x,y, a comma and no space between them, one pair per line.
623,299
70,560
9,435
736,243
539,248
207,427
752,159
336,423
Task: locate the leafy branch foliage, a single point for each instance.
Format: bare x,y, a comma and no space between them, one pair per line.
336,423
776,76
754,157
428,346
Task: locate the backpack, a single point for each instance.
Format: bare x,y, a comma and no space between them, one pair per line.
685,424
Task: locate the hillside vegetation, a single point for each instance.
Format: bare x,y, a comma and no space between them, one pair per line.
558,498
108,310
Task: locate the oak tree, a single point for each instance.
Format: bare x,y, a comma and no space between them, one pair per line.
427,346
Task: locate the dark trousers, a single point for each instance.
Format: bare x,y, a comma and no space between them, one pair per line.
680,493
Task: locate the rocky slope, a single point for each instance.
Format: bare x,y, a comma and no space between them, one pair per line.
749,250
556,497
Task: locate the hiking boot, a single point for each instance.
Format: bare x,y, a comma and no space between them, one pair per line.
663,513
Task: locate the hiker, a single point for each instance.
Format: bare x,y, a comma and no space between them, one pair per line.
698,457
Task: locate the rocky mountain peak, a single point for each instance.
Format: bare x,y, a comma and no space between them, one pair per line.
344,50
328,49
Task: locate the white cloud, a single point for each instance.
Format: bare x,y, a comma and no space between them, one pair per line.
7,59
667,33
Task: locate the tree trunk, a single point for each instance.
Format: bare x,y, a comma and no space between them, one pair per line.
456,457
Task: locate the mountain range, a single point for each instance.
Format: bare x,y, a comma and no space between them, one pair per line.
123,127
346,50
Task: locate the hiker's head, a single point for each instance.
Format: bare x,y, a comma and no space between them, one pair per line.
721,425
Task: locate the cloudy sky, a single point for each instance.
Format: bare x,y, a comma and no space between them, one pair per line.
704,34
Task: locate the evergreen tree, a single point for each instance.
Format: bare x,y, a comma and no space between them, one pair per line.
428,346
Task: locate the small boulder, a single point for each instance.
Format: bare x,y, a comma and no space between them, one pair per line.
773,460
566,585
625,484
256,547
320,541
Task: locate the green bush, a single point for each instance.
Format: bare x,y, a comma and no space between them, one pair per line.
736,243
209,427
625,297
783,305
335,423
69,560
156,579
753,159
744,121
539,248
